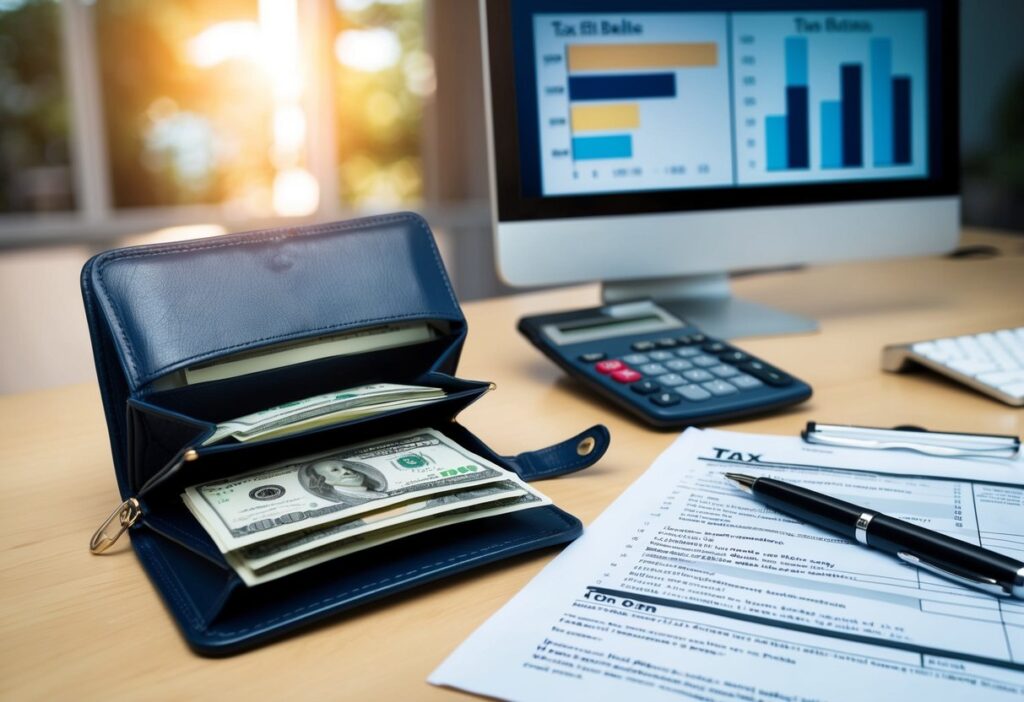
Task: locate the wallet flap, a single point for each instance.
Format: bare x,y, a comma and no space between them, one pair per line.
173,306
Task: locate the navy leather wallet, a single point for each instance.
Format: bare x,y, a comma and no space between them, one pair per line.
154,311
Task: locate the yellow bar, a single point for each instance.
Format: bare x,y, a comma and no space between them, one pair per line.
623,115
603,57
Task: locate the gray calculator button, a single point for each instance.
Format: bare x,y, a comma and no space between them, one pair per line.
653,369
662,355
724,371
693,393
635,359
704,361
745,382
671,379
678,365
697,375
688,351
719,387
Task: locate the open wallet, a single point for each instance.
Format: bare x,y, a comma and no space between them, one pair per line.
190,334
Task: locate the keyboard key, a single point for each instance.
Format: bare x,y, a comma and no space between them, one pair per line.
1002,377
645,387
698,375
662,355
715,347
671,379
688,352
626,375
698,338
694,393
972,366
592,357
684,340
653,369
719,387
723,371
666,399
666,343
635,359
610,366
1017,389
745,382
643,345
704,361
678,365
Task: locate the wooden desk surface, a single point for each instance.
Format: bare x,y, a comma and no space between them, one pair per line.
92,627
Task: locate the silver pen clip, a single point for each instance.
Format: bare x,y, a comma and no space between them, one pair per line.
979,582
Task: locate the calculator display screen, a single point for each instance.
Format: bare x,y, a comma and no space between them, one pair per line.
606,324
612,321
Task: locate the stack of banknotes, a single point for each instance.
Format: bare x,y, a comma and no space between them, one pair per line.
321,410
284,518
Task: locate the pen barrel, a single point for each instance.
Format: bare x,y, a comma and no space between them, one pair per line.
809,506
895,535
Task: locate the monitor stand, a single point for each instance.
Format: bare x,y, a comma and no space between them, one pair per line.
707,302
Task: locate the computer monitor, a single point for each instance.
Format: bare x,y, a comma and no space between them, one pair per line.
655,145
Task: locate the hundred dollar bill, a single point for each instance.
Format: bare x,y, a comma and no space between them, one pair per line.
302,561
309,412
270,502
265,553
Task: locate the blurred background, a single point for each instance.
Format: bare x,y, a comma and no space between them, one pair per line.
132,121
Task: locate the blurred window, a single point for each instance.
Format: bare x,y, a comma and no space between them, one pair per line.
35,162
383,75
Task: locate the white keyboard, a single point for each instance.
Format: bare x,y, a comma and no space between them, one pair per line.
992,362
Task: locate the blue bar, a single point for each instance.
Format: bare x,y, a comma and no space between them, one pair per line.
798,137
622,87
852,122
616,146
901,150
881,101
831,134
796,61
775,142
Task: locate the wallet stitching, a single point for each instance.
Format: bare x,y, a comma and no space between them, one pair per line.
349,593
269,236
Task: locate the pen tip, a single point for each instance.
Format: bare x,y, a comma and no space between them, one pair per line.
743,482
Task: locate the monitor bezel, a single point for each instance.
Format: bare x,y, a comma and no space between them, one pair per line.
512,205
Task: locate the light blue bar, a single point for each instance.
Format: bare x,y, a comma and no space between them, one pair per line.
775,142
615,146
796,61
881,101
831,134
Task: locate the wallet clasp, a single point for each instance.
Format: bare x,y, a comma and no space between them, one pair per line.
125,515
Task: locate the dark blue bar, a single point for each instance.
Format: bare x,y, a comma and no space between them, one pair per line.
853,130
901,119
797,134
622,87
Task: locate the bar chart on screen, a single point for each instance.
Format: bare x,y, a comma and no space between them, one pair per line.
829,96
612,92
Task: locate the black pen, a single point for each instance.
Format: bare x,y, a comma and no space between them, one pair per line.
943,555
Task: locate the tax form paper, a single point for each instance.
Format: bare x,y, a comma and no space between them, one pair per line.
685,588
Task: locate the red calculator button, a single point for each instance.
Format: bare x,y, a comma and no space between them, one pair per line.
626,375
607,367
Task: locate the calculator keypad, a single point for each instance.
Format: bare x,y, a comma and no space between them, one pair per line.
688,369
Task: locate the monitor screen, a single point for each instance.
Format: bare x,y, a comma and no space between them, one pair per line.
654,105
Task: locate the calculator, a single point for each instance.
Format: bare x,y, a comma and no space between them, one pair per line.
658,367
